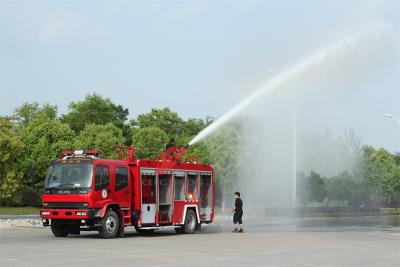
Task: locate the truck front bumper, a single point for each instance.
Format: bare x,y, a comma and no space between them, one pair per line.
67,214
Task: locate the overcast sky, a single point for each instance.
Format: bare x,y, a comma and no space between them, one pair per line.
199,58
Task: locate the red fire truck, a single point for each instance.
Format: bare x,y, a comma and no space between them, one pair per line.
84,192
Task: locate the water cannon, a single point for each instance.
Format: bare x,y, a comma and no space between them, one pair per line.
178,154
94,153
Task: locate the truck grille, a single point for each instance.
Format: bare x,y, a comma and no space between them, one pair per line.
66,205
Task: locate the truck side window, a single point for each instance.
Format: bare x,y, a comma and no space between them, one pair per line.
102,177
121,179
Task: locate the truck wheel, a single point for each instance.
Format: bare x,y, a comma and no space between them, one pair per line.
59,229
109,225
190,222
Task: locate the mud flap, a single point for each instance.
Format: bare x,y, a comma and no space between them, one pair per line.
198,228
121,231
74,230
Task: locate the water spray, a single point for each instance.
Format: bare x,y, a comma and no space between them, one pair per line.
343,49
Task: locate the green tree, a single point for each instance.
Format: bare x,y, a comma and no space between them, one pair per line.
339,187
381,175
191,127
149,142
171,123
10,177
386,168
317,186
396,157
221,150
396,173
165,119
311,188
96,110
104,137
28,111
44,138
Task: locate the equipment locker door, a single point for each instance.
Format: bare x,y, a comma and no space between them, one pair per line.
206,196
148,187
179,196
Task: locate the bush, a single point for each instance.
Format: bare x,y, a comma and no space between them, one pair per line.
32,197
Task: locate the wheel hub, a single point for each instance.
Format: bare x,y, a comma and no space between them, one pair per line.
111,224
192,222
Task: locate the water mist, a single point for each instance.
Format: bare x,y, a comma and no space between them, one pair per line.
371,39
270,128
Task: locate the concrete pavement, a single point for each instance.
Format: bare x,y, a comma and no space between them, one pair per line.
263,244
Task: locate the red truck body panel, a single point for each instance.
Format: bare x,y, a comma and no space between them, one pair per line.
156,193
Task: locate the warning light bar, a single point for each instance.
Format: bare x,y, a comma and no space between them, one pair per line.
81,153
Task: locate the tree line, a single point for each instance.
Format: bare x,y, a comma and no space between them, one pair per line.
34,135
373,180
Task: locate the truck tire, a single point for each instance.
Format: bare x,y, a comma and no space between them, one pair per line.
190,222
59,229
109,225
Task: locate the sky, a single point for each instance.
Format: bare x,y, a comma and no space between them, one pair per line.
199,58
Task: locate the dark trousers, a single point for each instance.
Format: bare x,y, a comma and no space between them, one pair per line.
237,217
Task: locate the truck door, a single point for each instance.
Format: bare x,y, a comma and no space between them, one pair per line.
121,187
102,191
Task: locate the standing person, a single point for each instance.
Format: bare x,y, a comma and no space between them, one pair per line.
171,143
238,213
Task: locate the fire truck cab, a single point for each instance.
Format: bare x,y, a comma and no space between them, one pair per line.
84,192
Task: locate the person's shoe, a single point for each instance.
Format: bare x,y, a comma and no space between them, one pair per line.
241,231
235,231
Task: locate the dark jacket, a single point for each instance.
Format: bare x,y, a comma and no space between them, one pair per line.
238,205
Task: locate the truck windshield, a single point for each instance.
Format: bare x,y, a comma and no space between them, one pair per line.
69,175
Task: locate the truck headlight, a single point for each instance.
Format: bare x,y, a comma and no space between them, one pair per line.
81,213
46,213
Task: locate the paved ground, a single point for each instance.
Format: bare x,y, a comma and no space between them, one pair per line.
362,241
